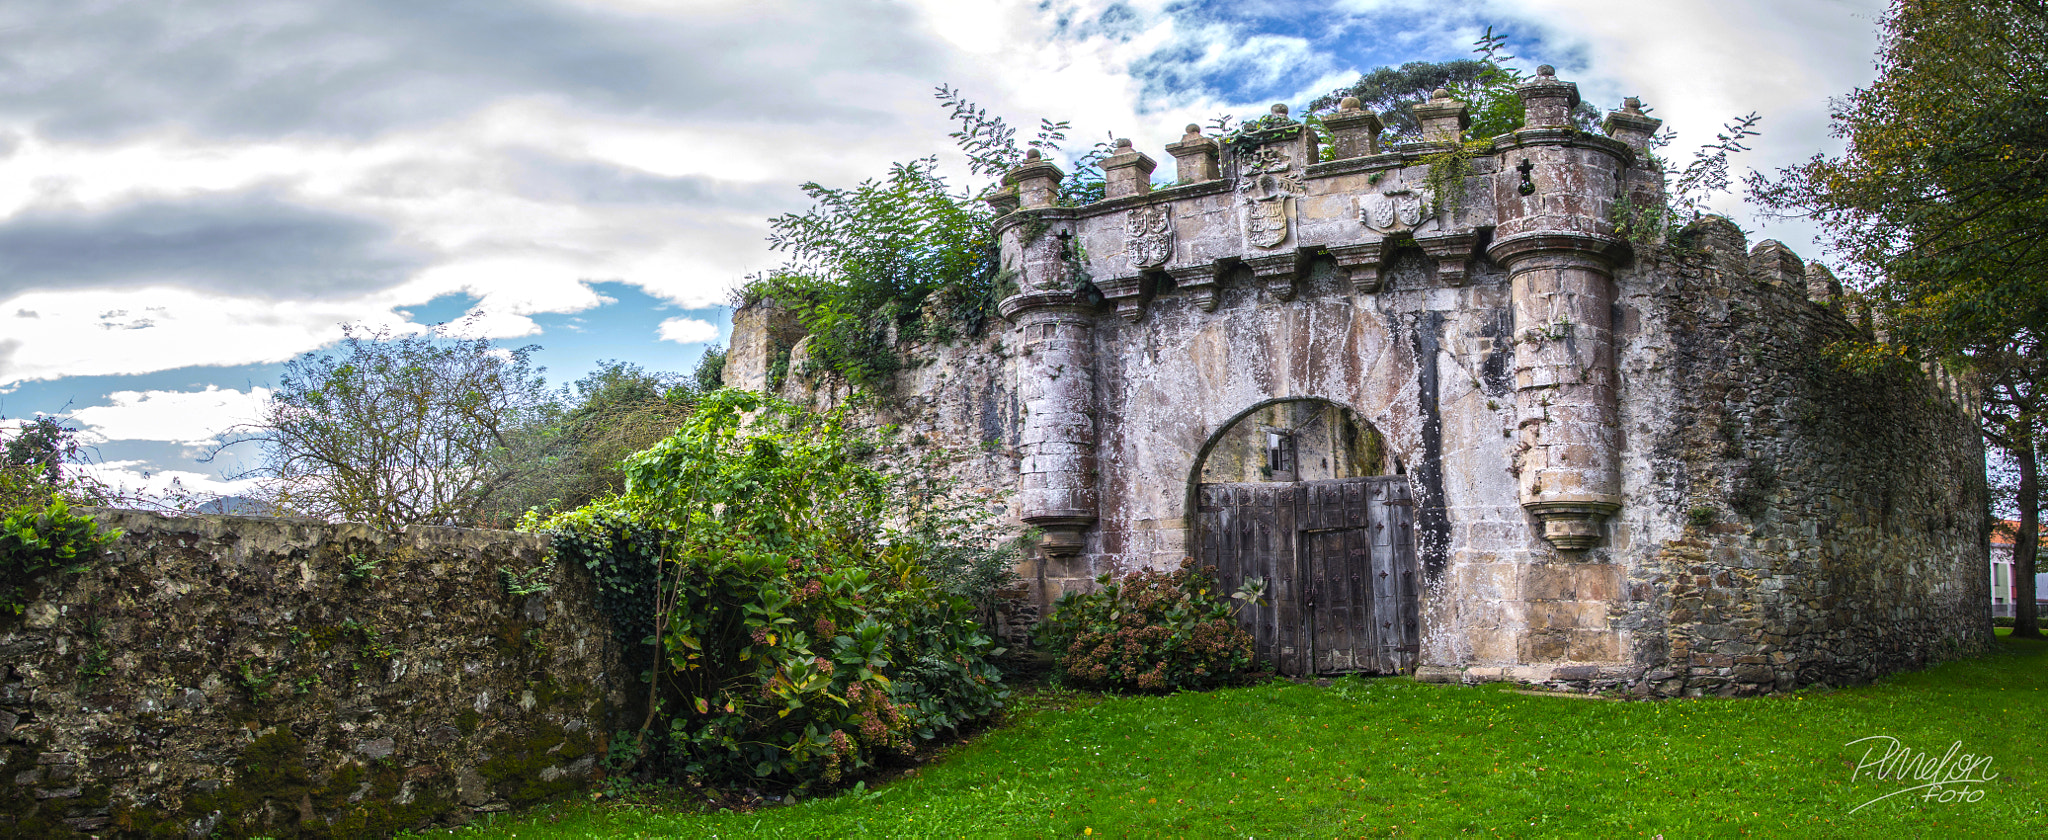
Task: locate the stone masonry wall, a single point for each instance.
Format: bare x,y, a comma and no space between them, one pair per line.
1805,524
1632,465
228,676
1727,408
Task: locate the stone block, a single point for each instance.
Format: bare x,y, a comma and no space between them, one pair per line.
1598,582
1546,646
1489,581
1494,646
1593,645
376,748
1549,582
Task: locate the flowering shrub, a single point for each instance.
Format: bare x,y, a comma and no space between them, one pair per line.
1149,631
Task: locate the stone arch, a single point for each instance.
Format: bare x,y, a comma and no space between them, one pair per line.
1395,464
1333,540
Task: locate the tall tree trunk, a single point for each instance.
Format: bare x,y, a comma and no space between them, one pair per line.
2026,544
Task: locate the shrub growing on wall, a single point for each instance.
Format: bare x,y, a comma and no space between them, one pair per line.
791,633
41,540
1149,631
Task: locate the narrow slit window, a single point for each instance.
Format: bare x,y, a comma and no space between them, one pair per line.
1280,451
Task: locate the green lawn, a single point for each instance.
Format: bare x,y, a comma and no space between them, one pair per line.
1391,757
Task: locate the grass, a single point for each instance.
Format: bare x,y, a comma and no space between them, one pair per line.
1391,757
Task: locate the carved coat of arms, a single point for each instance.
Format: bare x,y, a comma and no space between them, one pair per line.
1269,184
1148,236
1391,211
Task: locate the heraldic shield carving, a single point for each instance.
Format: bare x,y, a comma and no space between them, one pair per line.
1268,184
1394,210
1148,236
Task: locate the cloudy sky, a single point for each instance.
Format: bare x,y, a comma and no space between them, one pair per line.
194,192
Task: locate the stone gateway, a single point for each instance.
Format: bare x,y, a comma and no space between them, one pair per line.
1459,424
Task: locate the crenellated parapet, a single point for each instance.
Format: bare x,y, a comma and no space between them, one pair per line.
1266,201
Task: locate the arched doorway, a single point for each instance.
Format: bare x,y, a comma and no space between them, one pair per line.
1305,495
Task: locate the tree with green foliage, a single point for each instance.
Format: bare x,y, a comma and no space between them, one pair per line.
710,373
39,460
1486,85
1393,92
1941,199
576,442
393,430
890,260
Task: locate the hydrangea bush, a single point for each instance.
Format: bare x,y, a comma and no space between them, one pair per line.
1149,631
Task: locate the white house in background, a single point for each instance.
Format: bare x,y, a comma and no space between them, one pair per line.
2003,589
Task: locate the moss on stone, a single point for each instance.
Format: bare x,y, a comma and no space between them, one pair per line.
514,770
272,778
26,816
272,769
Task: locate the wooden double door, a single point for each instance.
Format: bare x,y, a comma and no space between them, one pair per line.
1339,560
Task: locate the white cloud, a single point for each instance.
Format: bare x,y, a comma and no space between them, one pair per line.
1703,62
190,418
521,195
104,331
687,330
169,488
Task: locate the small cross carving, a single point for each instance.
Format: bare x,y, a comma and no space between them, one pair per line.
1528,187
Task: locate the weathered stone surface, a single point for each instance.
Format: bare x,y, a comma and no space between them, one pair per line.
250,684
1626,456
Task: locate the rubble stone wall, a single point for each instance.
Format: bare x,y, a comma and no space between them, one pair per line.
1814,525
230,676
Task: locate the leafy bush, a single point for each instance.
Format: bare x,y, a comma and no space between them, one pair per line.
789,634
38,539
1149,631
906,257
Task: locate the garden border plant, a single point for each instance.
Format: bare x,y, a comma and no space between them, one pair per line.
1152,631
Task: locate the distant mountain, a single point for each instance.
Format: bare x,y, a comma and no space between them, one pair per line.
235,506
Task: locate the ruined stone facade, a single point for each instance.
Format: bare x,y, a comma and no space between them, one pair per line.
1627,464
230,676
